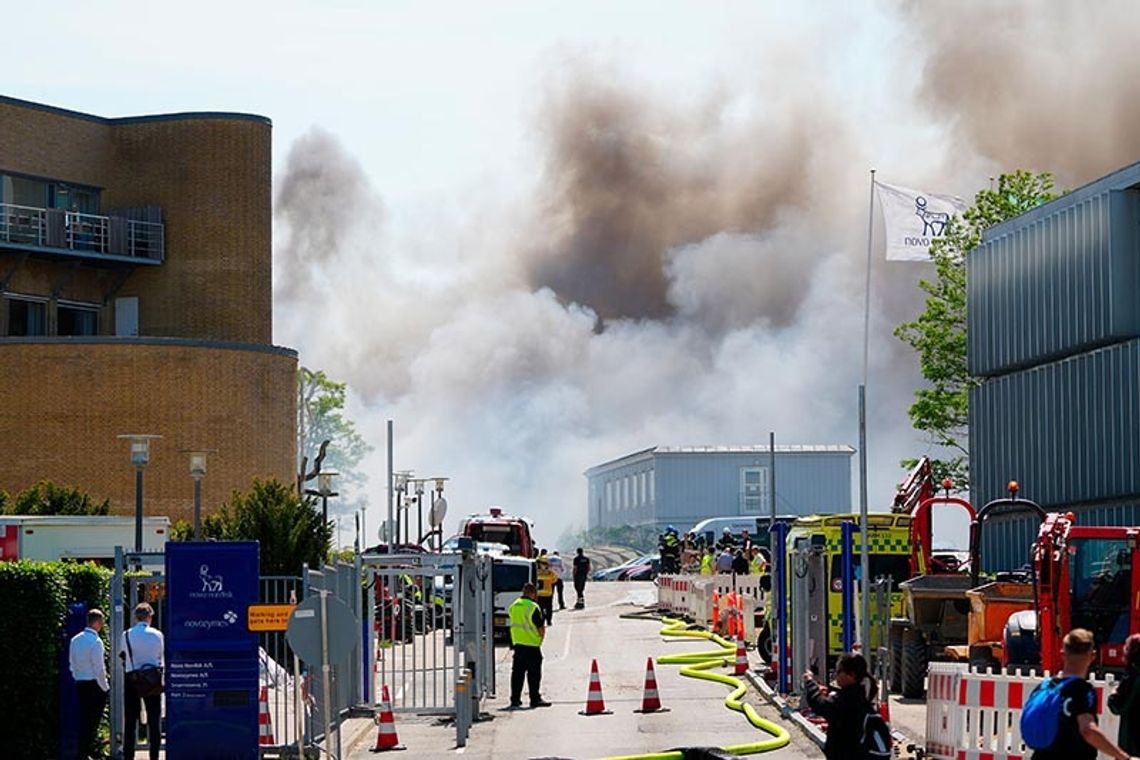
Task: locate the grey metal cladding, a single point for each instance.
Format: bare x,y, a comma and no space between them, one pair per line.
1061,280
1067,431
1007,539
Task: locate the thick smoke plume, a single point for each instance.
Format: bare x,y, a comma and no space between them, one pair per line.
690,270
1047,85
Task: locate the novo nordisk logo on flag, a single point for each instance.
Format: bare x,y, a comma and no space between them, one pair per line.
914,219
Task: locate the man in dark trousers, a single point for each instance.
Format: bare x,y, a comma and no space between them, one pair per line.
141,647
89,669
581,573
527,634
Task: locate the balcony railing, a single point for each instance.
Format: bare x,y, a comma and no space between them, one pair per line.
85,234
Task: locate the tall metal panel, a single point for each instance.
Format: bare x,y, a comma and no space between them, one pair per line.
1043,287
1069,431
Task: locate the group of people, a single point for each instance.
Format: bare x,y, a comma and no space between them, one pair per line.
140,649
691,553
1078,737
529,617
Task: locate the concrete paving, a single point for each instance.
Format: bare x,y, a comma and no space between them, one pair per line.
697,717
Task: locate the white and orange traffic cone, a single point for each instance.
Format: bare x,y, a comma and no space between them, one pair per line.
595,705
386,740
741,659
650,701
264,720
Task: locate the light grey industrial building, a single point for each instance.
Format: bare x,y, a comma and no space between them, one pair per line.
1053,303
682,486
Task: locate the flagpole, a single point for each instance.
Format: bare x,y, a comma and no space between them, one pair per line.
864,556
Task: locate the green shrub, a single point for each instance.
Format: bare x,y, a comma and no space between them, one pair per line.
34,597
46,498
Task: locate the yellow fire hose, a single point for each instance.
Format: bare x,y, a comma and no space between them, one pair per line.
696,665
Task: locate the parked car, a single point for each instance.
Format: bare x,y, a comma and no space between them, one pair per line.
613,573
645,571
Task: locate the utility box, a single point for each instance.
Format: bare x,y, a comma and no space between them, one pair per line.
79,538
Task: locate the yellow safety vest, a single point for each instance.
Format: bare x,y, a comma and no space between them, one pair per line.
546,581
755,563
706,565
523,630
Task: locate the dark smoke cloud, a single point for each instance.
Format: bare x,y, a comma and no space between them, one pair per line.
1044,85
321,199
629,178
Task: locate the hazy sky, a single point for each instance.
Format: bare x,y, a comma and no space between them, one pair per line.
483,171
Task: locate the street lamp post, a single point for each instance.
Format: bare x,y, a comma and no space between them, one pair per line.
140,458
325,491
197,472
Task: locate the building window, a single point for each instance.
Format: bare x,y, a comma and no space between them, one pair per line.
77,319
26,317
609,496
652,487
753,489
625,492
641,490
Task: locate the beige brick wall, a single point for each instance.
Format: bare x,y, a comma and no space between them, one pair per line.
211,174
64,402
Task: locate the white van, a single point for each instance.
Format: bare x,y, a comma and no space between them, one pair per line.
713,528
508,576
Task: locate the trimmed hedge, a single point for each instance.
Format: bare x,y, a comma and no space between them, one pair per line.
34,598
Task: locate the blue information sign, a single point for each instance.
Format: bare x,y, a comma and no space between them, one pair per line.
211,655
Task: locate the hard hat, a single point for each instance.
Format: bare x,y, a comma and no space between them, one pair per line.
670,529
727,530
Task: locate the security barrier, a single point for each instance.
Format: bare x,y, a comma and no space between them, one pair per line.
977,716
711,600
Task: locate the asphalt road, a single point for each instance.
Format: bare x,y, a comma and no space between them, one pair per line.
697,714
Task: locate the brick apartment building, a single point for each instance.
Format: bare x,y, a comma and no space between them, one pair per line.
136,297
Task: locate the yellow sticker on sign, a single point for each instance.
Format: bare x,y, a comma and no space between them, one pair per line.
269,617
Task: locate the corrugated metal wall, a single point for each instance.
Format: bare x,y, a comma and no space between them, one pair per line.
689,487
1007,539
693,487
1068,431
1057,285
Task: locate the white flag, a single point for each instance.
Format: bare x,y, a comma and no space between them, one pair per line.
914,219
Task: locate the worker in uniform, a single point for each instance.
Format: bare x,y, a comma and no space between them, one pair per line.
670,548
727,541
527,635
707,561
756,561
546,580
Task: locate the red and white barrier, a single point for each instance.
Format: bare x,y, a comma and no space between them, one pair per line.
692,596
977,716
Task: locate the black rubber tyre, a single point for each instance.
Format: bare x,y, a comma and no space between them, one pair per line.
914,663
895,642
764,645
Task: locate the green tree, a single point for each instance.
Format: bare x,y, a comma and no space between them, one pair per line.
321,419
938,335
287,526
46,498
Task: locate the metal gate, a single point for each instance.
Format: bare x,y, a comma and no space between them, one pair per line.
432,646
138,577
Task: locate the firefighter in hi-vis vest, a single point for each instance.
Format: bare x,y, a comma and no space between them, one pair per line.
546,580
527,633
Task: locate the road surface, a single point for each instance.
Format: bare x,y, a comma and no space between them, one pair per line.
697,717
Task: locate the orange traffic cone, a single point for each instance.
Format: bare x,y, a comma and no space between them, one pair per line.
650,702
264,720
741,659
387,740
595,705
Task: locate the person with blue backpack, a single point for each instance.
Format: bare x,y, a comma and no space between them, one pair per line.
855,730
1058,721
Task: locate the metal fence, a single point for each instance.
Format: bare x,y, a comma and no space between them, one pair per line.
277,665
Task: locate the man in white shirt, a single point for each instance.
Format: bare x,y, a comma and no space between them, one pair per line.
141,647
558,568
89,669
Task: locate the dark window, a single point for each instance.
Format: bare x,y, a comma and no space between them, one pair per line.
509,577
27,317
77,320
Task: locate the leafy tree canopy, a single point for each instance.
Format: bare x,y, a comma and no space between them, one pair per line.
46,498
938,335
287,526
320,418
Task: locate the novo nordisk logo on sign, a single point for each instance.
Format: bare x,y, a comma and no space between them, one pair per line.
213,586
933,223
